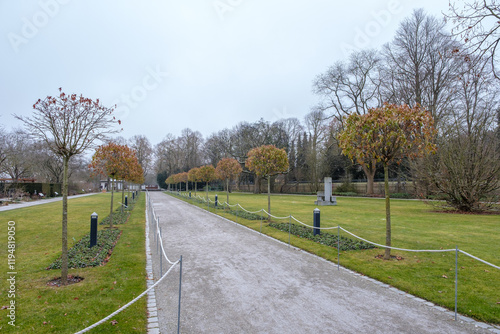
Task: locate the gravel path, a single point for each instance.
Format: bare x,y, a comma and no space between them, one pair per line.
238,281
39,202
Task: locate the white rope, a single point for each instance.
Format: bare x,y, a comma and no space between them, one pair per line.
270,215
242,208
160,236
367,241
161,245
401,249
485,262
128,304
319,228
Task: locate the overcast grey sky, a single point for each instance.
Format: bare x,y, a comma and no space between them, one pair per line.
202,64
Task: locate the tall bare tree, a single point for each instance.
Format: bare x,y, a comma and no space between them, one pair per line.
467,165
419,66
316,124
18,156
143,150
477,25
69,125
352,87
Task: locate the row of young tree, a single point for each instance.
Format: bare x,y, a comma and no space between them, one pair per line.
265,161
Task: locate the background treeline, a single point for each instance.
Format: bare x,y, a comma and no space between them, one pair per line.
424,64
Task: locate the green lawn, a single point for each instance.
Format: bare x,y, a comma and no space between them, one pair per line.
45,309
414,226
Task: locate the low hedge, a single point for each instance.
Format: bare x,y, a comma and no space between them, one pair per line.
81,256
327,239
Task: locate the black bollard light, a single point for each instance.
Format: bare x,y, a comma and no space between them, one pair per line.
133,196
93,229
215,200
126,201
316,220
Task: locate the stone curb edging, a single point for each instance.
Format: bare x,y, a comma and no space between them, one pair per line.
153,324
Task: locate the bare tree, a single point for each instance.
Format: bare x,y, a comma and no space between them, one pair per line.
69,125
352,87
318,131
3,155
18,160
477,25
467,165
191,143
143,150
419,66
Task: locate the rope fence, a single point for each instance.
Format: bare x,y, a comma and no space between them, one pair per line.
290,217
149,210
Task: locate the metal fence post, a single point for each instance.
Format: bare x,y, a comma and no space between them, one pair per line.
338,247
161,259
456,281
289,228
179,306
261,224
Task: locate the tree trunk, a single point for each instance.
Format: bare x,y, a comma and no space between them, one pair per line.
206,185
227,191
269,197
369,171
195,186
64,255
387,254
111,208
257,185
123,195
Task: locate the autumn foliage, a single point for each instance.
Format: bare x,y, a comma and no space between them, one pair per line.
388,134
267,161
118,162
228,169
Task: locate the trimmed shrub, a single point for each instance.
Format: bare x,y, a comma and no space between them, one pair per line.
327,239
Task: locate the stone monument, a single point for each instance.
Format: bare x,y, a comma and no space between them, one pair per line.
325,197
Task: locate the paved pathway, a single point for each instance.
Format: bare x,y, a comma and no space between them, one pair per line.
238,281
38,202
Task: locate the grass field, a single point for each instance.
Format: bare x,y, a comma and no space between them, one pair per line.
45,309
415,225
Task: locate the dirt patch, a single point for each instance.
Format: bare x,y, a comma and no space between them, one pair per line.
71,280
393,257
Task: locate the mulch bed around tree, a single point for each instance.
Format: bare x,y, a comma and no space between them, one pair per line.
71,280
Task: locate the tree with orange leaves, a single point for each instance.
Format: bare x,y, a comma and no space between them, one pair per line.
193,177
228,169
388,134
183,178
207,173
114,160
267,161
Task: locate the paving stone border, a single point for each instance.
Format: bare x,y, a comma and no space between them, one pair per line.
153,325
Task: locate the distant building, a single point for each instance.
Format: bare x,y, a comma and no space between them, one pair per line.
106,184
